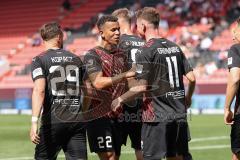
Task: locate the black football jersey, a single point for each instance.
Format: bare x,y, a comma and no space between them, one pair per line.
129,44
162,64
234,61
63,72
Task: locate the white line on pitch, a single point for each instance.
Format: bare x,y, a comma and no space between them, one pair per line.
210,147
131,152
209,139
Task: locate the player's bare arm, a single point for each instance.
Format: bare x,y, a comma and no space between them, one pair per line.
232,86
133,92
37,102
191,86
100,82
87,91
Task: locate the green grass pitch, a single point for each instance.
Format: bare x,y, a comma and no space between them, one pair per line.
210,139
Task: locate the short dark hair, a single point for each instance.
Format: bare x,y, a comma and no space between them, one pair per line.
122,13
50,30
104,19
149,14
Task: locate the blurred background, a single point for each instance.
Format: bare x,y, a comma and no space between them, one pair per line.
201,27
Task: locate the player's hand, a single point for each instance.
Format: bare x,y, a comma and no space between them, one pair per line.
34,133
130,73
228,117
116,104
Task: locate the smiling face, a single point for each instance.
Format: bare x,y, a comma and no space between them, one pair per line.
110,32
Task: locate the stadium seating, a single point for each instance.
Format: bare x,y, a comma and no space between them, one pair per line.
223,41
84,13
25,17
21,19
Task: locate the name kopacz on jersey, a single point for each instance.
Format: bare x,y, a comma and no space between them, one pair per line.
170,50
61,59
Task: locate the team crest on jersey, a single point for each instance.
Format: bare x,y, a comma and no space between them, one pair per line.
229,60
90,62
121,60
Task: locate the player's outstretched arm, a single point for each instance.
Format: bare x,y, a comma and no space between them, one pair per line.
232,86
191,87
87,91
37,102
133,92
100,82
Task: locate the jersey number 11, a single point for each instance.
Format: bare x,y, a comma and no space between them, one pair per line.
173,60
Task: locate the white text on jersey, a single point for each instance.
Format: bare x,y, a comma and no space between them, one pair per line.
61,59
168,50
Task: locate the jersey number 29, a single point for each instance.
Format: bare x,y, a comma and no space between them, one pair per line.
65,75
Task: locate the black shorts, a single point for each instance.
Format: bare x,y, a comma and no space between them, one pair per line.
133,130
71,137
235,135
162,140
103,136
130,124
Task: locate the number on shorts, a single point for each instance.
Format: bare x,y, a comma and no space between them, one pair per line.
100,142
108,140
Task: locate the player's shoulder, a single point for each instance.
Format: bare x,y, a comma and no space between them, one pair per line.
131,37
92,52
167,42
131,40
234,50
40,56
68,53
235,47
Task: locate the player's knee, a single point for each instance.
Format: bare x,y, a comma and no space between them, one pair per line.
236,157
179,157
139,155
107,156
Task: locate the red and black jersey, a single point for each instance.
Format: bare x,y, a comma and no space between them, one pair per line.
234,61
63,73
162,64
110,64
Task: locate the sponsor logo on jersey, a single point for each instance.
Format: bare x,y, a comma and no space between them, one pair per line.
229,60
176,94
37,72
69,102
